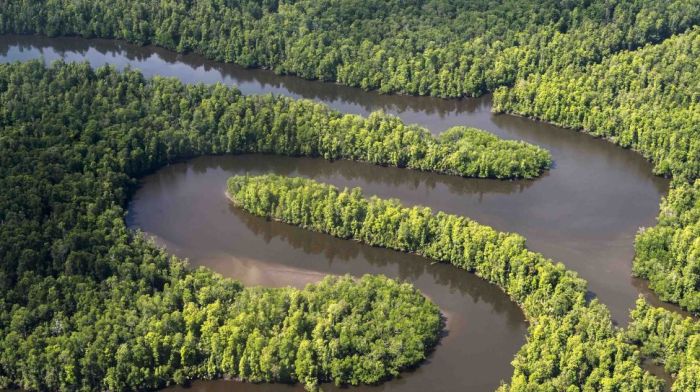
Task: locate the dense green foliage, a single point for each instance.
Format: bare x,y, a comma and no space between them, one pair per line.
76,333
572,344
669,339
227,122
74,140
427,47
648,100
85,304
668,254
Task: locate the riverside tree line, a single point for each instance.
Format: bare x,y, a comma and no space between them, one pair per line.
648,100
424,47
623,70
614,69
86,304
572,344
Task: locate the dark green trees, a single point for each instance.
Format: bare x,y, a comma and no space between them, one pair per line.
613,68
197,119
432,47
572,344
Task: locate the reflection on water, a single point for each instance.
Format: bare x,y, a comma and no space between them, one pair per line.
152,60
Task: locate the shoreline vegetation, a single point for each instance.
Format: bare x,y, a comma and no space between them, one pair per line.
591,353
532,55
646,100
87,304
656,116
535,46
323,41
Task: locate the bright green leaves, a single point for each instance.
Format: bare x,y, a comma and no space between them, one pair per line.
668,255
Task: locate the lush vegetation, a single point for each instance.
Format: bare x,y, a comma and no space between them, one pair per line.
670,339
73,140
667,254
647,100
572,344
581,64
86,304
227,122
428,47
122,333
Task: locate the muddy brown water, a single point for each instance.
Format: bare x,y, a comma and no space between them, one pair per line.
584,212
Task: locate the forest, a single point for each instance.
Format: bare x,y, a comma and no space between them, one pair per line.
228,122
622,70
441,48
647,100
74,141
572,344
86,304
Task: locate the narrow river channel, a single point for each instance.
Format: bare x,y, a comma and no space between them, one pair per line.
584,212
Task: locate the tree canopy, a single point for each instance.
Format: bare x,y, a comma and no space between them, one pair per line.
669,339
647,100
74,140
572,344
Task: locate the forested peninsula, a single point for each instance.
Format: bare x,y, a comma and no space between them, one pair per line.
621,70
572,343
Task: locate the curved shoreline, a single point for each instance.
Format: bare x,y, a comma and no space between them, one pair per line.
358,241
484,328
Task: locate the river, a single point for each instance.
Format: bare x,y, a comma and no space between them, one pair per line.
584,212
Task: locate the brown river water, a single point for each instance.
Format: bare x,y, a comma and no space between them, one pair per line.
584,212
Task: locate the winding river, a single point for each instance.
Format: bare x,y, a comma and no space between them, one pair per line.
584,212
